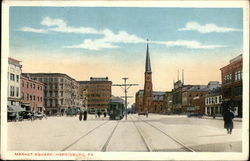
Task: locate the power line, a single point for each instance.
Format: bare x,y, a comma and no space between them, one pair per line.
125,87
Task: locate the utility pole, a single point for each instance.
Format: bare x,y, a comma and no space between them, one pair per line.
125,87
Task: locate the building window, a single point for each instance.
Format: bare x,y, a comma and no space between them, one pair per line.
34,86
27,84
238,75
12,91
17,78
61,94
38,87
12,76
37,98
34,98
238,91
17,91
220,99
30,97
30,85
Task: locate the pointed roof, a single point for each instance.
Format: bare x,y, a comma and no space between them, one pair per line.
148,65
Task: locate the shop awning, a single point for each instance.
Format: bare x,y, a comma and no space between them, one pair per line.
13,108
25,104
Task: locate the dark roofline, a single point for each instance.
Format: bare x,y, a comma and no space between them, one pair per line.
61,74
24,77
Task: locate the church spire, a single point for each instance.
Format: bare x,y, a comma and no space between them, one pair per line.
148,66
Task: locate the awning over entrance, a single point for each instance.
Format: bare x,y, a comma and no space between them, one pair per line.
13,108
25,104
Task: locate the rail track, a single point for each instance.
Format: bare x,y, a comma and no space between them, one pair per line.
92,131
147,144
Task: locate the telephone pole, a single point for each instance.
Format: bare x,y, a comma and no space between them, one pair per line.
125,87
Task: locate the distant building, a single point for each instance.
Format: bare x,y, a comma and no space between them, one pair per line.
231,76
32,94
168,103
14,75
98,93
196,99
177,95
139,101
157,106
213,102
60,91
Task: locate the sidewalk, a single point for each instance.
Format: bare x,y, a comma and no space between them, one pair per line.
220,118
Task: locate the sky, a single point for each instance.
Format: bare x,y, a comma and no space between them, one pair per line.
85,42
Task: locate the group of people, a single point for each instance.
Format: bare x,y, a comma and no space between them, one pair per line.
98,114
84,114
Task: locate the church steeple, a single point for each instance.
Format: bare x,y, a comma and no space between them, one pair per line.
148,65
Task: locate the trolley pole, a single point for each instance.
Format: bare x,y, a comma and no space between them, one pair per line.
126,87
125,91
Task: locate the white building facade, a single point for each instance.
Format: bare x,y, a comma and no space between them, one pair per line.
14,75
213,102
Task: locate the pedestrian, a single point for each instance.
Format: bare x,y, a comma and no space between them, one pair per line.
80,115
104,114
99,114
228,121
85,113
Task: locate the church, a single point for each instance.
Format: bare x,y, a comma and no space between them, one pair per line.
148,100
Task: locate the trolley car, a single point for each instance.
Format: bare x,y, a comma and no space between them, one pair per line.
116,109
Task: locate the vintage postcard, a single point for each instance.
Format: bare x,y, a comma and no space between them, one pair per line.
125,80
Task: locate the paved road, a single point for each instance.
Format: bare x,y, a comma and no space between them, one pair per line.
136,134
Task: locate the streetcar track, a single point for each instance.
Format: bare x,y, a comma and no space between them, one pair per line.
70,145
142,137
104,148
177,141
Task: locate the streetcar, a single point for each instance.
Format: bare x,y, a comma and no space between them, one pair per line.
116,109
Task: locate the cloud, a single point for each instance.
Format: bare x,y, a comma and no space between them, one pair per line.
189,44
47,21
207,28
93,45
61,26
29,29
121,37
111,39
108,40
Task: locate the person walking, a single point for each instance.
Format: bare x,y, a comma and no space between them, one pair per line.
99,114
80,115
228,121
85,113
104,114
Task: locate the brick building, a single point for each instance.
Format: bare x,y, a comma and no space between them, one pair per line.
32,94
60,91
231,76
139,101
158,98
157,102
148,86
98,93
